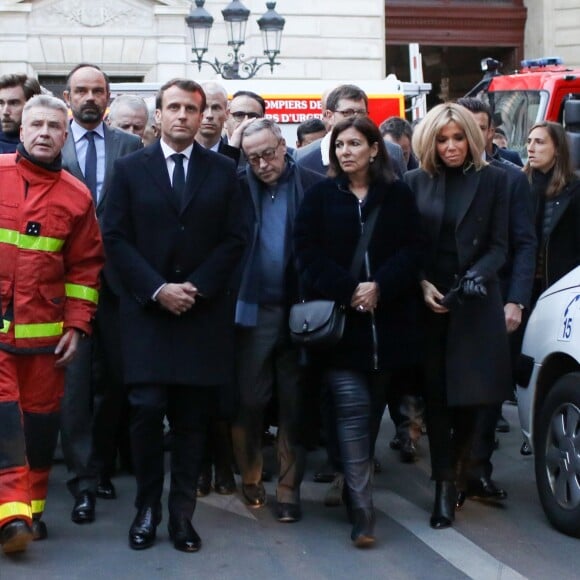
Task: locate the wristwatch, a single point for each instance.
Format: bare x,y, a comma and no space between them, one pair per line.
520,306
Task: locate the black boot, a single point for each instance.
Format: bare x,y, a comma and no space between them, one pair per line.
363,528
444,508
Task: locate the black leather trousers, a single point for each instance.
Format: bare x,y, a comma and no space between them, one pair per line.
355,395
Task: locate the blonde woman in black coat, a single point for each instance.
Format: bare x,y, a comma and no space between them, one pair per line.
464,214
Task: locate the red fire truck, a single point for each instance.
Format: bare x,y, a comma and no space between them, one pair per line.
537,91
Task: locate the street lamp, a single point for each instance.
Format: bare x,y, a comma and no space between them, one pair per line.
236,17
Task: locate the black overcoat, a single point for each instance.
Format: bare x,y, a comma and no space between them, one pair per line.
561,246
477,353
326,233
151,239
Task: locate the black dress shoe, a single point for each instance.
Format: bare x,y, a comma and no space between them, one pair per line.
39,530
224,483
525,449
15,536
461,497
83,511
363,528
144,528
485,489
254,494
183,535
395,443
408,451
204,483
106,489
288,513
444,508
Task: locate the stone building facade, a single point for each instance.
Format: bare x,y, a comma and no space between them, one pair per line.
149,40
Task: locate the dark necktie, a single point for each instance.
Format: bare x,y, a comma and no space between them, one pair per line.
178,181
91,164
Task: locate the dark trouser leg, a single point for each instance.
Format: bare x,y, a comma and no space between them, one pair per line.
222,454
437,413
291,453
148,407
110,392
255,376
477,462
353,422
188,410
378,387
328,414
77,419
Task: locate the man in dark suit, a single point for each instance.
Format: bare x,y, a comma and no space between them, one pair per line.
174,236
89,440
343,102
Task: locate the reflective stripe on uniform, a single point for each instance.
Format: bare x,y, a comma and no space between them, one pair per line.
40,330
15,508
82,292
38,506
5,326
26,242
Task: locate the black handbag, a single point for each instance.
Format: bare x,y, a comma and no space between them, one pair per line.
317,323
320,323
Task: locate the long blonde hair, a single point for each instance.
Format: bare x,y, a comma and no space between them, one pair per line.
425,136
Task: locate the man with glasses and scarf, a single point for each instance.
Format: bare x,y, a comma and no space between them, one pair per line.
274,187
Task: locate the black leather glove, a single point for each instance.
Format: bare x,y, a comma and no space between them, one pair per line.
453,298
472,284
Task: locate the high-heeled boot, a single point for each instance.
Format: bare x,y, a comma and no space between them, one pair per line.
444,508
363,528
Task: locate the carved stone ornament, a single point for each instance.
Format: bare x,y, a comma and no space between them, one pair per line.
91,13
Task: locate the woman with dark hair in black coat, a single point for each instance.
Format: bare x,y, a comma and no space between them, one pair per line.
557,190
381,330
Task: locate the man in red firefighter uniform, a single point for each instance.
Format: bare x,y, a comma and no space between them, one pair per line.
51,255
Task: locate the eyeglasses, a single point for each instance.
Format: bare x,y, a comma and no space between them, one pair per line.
347,113
267,155
241,115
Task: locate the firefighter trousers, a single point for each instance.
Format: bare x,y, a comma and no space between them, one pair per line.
31,389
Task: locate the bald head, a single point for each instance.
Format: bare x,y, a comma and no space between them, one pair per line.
214,116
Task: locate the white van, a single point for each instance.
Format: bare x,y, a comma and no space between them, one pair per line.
549,400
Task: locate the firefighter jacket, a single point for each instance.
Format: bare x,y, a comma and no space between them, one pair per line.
51,254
